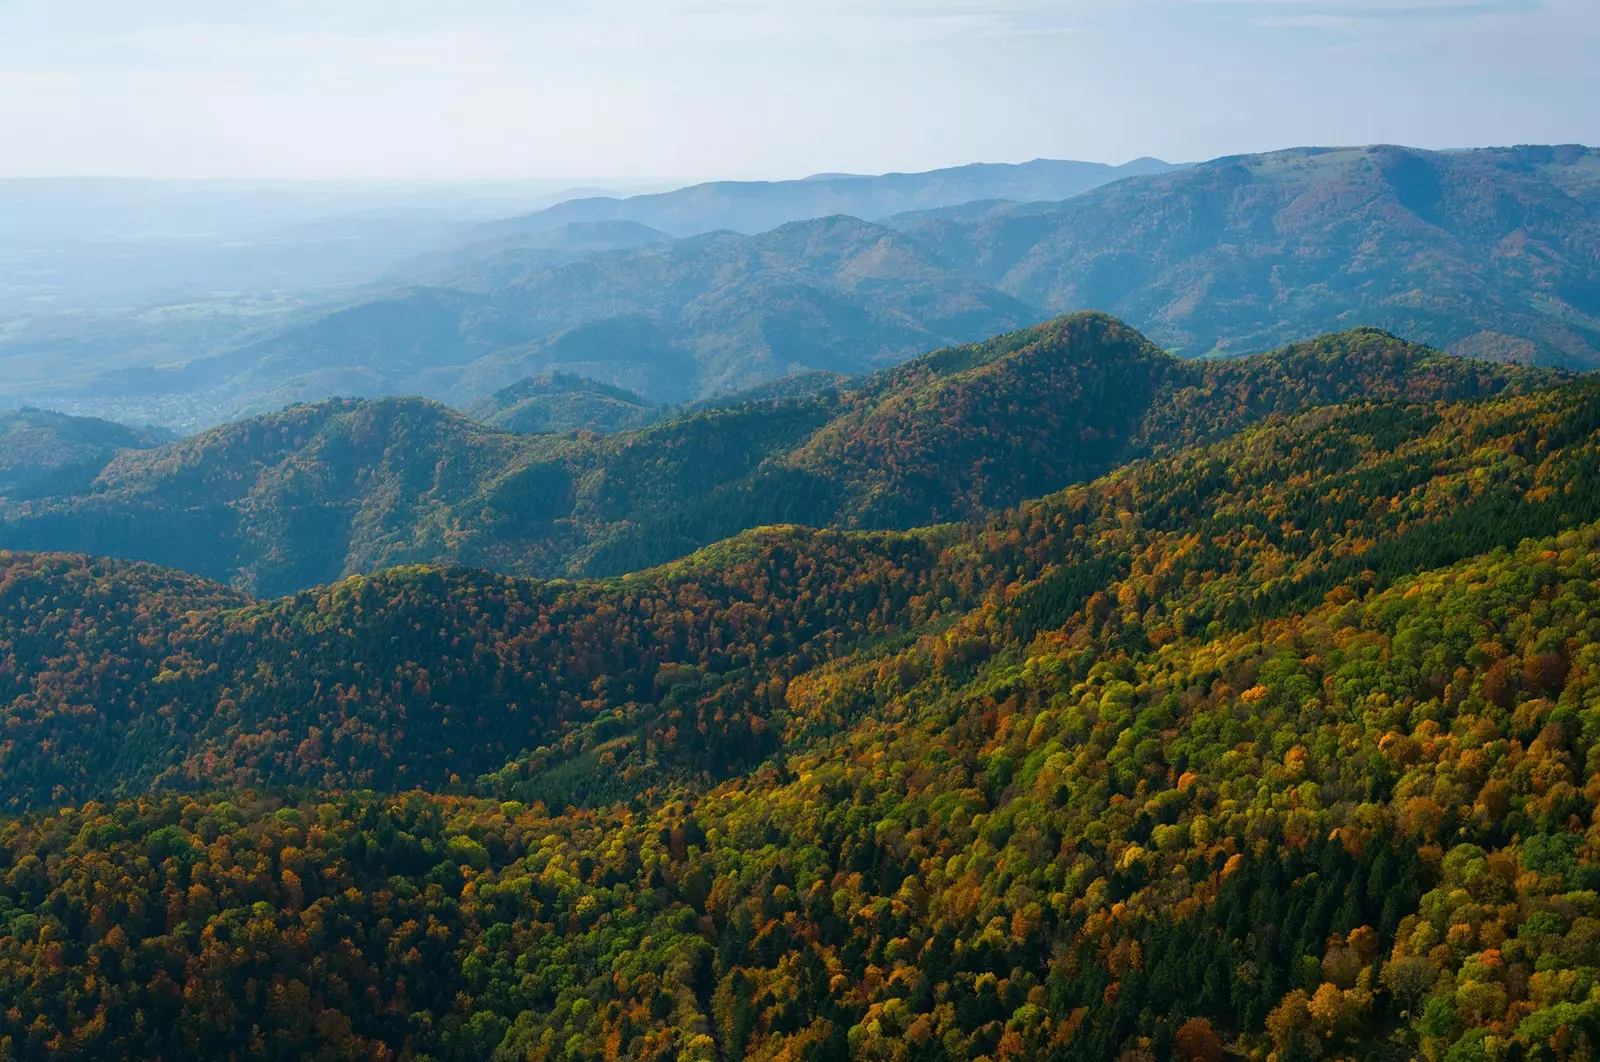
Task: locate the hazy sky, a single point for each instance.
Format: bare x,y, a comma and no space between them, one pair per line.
766,88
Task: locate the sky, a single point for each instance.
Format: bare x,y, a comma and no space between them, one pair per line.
595,90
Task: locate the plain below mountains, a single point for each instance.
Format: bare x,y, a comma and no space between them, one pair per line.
284,501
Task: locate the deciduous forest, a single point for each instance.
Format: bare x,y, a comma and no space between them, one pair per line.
1255,715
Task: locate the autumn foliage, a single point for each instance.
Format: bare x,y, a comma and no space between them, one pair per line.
1281,744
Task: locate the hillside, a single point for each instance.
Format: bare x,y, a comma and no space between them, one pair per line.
1492,253
559,403
757,206
1372,492
279,502
807,384
289,500
1273,744
44,453
632,352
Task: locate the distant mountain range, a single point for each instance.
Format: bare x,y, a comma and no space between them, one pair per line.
288,500
1492,253
488,264
756,206
673,321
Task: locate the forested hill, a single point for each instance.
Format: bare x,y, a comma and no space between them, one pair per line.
281,502
558,402
1277,743
476,668
1492,252
44,453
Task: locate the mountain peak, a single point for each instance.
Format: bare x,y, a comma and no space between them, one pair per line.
314,492
562,402
1438,246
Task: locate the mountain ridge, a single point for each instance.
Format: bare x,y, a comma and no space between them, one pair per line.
749,207
1486,250
1268,744
1488,253
712,314
289,500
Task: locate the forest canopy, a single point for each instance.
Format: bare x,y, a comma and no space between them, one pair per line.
1278,737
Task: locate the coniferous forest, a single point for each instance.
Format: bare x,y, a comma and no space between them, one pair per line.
1049,698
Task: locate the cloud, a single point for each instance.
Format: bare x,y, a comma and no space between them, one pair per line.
443,38
1381,8
1344,14
1320,20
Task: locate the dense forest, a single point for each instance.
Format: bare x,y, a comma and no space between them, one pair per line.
1269,733
279,503
43,454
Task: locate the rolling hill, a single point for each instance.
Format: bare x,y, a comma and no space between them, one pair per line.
44,453
560,403
1492,253
672,321
1272,745
284,501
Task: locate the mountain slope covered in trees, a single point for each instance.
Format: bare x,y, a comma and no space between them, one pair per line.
1280,743
560,402
44,453
1488,253
281,502
1270,522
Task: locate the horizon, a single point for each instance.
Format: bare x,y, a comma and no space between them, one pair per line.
647,184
